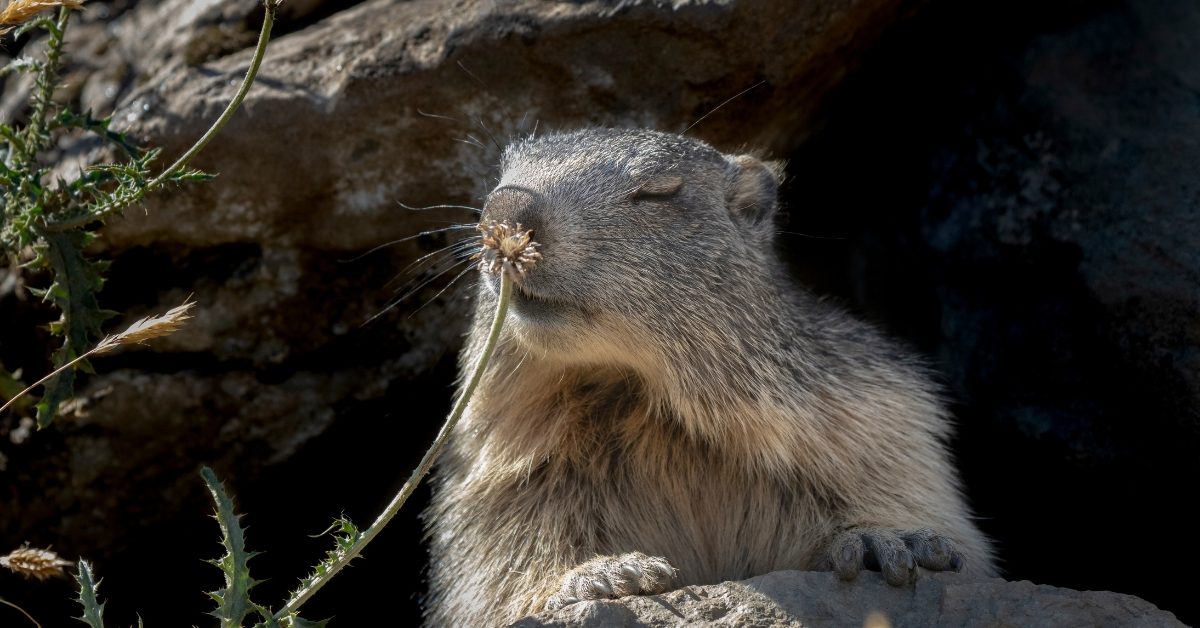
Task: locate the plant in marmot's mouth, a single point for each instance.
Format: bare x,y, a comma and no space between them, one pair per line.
509,252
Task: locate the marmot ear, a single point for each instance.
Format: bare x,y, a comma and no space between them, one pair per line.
752,190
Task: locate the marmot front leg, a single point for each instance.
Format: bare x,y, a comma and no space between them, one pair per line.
610,577
895,553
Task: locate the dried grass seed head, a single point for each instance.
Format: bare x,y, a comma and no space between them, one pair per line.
510,250
20,11
31,563
149,328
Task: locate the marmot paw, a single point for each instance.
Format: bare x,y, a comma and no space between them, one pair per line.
895,553
610,577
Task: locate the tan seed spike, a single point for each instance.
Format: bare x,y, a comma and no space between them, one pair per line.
145,329
19,11
148,328
31,562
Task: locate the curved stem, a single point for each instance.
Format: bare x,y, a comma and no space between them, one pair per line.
422,469
260,50
43,380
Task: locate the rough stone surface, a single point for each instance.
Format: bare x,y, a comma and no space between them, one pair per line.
820,600
342,124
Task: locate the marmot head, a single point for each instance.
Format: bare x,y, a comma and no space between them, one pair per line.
648,239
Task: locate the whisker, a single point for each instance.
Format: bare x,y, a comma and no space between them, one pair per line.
459,246
472,75
398,300
412,274
444,289
435,115
727,101
409,290
489,134
478,142
428,207
812,237
474,143
404,239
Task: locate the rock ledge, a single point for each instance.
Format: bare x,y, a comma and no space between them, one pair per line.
795,598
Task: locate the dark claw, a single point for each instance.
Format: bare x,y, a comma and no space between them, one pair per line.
847,555
932,552
896,554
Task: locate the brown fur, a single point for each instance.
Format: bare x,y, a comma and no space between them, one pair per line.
662,388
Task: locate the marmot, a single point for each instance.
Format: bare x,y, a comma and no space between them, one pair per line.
666,408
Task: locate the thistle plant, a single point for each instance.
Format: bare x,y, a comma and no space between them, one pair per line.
46,224
510,252
48,221
507,251
89,587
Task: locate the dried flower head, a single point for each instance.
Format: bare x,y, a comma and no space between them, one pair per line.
148,328
508,249
34,563
19,11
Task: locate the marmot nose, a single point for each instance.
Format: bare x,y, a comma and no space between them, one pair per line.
514,205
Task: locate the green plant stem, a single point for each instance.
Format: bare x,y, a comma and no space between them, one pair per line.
35,130
264,36
43,380
260,51
22,611
293,605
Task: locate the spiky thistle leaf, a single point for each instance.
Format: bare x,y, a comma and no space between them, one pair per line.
93,610
268,618
98,126
76,282
233,601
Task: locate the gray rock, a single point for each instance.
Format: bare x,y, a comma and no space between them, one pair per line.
336,134
820,600
342,123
